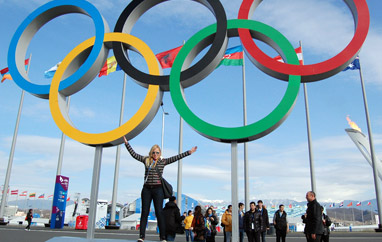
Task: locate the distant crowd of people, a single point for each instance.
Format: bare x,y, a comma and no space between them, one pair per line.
202,227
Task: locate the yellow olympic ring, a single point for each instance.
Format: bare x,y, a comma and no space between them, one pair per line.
133,126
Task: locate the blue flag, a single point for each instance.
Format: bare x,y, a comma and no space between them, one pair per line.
354,65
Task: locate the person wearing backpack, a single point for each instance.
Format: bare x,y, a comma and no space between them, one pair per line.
152,189
326,222
173,221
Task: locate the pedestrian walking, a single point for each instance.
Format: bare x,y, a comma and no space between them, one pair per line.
29,218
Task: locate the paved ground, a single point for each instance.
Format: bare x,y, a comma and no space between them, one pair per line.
18,234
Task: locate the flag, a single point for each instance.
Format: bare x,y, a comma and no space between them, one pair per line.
50,73
354,65
110,66
350,204
2,191
290,205
50,196
6,75
68,199
14,192
166,59
273,206
32,194
42,195
369,203
341,204
299,56
24,194
332,205
358,204
233,57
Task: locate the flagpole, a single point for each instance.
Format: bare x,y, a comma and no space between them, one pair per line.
11,155
372,153
246,165
62,145
234,193
311,161
180,163
352,210
117,158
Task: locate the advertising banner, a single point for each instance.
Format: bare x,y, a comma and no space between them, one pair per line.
59,202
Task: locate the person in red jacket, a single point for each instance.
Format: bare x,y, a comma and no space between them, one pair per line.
28,218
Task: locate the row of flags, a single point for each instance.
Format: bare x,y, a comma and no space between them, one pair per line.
32,194
349,205
232,57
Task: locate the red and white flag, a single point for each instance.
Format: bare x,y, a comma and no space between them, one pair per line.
14,192
24,194
369,203
358,204
299,55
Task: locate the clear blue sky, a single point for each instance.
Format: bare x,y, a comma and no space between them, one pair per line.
279,162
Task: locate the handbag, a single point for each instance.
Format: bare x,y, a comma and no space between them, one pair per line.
167,188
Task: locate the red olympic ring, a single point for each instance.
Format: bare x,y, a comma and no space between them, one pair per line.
313,72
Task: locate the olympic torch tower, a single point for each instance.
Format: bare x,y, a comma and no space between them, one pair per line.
363,144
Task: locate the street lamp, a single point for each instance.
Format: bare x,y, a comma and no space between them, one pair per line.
163,114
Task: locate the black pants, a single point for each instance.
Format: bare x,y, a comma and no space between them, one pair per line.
156,195
253,236
309,238
325,238
280,234
29,224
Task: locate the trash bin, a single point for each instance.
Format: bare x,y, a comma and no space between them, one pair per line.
82,222
271,230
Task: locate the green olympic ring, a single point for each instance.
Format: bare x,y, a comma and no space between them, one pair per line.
252,131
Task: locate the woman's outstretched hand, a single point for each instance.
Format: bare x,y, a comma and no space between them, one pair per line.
193,149
124,138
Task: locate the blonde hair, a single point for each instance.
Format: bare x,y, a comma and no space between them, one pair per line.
149,159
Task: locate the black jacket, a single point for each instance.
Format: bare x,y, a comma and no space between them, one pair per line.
265,220
280,222
326,222
172,218
313,219
254,218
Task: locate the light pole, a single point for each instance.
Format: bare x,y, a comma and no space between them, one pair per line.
163,114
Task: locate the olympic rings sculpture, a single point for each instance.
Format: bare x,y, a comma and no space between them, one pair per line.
84,62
